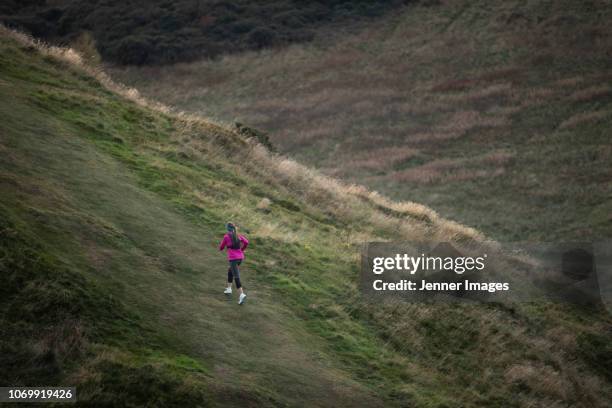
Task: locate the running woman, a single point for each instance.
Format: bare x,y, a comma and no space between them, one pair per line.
235,244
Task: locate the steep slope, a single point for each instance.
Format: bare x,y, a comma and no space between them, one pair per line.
494,113
111,209
92,214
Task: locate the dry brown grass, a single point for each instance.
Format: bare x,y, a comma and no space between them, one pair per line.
458,125
264,204
489,165
317,131
591,93
430,172
454,85
570,82
463,121
540,379
503,74
437,172
382,158
584,118
355,204
534,96
498,157
495,91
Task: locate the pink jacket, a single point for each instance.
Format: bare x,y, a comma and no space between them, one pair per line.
233,254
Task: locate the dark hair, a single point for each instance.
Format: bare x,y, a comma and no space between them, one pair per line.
233,231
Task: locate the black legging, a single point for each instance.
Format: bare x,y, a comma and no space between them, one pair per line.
233,272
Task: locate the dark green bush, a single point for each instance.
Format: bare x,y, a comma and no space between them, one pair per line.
161,31
261,38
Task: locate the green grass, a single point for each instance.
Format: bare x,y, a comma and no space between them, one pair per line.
110,217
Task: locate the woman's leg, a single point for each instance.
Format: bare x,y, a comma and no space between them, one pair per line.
230,276
236,272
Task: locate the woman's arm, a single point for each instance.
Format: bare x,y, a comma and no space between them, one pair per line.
223,243
245,242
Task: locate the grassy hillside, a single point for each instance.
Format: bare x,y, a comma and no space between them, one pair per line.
162,31
494,113
111,209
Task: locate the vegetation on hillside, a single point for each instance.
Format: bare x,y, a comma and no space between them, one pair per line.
494,113
163,31
111,211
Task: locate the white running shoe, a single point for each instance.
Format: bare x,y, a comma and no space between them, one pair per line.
228,291
242,298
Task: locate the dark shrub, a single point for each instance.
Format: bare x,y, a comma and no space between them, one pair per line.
152,32
241,27
261,37
132,50
169,23
261,137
